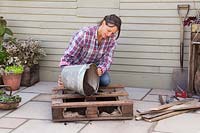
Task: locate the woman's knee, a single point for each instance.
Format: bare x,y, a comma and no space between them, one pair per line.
105,79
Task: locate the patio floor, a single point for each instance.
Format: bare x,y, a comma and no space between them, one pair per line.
34,115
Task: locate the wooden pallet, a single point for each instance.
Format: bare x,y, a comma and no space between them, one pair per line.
110,103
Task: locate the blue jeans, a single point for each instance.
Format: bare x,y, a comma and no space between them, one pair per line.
104,79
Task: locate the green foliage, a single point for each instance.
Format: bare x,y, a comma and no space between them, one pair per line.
14,69
2,92
3,55
28,52
4,98
4,29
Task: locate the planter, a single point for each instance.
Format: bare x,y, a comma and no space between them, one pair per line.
30,75
12,80
1,81
8,106
8,101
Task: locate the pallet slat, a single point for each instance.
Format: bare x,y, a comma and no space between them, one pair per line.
99,94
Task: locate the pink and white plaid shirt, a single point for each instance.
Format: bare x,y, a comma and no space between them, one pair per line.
84,49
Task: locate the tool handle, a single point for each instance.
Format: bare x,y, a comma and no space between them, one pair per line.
183,7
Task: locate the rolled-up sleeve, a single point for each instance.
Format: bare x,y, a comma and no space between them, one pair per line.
73,50
106,60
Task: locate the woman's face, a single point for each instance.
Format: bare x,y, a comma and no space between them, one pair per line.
108,30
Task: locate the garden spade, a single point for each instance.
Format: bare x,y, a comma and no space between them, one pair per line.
180,75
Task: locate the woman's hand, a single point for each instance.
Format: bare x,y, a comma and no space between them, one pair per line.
60,83
99,72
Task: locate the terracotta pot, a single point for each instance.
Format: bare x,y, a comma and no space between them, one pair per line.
13,80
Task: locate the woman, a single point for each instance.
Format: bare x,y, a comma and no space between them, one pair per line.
94,44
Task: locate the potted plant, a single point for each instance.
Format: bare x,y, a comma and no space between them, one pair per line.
29,53
4,30
5,33
8,101
12,76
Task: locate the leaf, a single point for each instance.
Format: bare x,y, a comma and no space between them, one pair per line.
2,30
8,31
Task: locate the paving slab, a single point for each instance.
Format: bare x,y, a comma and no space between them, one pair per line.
5,130
4,112
153,98
26,97
20,89
184,123
144,105
41,87
43,97
127,126
11,122
45,126
33,110
137,93
162,92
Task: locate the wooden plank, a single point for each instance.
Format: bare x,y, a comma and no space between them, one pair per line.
148,55
148,69
98,4
193,60
40,31
152,13
151,34
39,11
167,115
152,5
92,112
143,48
150,20
52,38
168,110
90,104
57,113
43,4
94,118
151,41
163,107
99,12
112,86
70,96
48,18
147,62
57,101
150,27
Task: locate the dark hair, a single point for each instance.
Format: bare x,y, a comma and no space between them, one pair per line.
115,20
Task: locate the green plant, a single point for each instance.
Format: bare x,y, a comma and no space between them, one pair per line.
14,69
27,51
4,30
3,55
9,99
5,98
